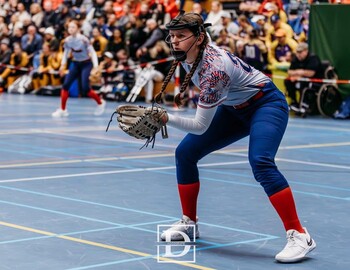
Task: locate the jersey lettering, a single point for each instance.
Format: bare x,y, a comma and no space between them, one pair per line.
239,63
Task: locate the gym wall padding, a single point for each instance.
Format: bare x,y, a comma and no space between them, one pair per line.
329,38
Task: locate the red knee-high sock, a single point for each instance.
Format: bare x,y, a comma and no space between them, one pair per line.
64,98
94,96
188,196
283,202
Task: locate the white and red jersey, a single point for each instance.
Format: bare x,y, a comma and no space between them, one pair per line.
225,79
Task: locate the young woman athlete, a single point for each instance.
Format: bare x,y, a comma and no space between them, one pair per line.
84,59
235,101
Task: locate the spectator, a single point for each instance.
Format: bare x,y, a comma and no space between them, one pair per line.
197,8
255,52
116,42
277,24
118,8
281,51
154,34
99,42
214,15
160,51
55,63
159,13
145,12
17,35
49,18
225,41
273,8
108,67
108,8
21,13
304,65
32,42
19,59
259,23
245,27
108,28
172,8
42,77
124,20
49,37
64,14
37,14
135,36
248,7
227,23
97,9
55,3
5,53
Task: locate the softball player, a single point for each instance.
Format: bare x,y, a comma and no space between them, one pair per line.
84,58
235,101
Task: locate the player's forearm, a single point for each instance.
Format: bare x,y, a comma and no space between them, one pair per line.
198,125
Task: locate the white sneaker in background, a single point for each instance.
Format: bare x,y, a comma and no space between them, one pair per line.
181,226
100,108
298,245
60,113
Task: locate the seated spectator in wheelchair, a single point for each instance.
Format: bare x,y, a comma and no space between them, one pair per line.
304,65
20,59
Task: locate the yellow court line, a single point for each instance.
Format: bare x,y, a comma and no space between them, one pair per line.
96,244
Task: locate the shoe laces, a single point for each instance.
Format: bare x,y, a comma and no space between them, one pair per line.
182,222
291,239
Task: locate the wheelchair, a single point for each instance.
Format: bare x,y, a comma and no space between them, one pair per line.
320,98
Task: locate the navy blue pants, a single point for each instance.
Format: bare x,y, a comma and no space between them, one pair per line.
81,71
264,120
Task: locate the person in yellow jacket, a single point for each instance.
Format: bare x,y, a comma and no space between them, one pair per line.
19,59
99,43
42,77
55,60
276,24
281,50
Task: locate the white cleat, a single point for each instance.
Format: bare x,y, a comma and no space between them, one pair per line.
179,230
298,246
59,113
100,108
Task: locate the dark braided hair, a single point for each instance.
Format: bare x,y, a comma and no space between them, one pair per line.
185,18
158,97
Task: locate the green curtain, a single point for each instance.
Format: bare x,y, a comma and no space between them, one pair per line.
329,38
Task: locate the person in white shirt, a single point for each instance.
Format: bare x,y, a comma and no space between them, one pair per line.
235,101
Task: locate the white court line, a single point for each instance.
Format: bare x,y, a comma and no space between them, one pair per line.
102,128
165,168
328,165
226,152
114,172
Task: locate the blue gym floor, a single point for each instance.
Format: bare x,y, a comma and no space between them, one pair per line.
75,197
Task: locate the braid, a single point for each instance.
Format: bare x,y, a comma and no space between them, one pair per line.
158,97
179,96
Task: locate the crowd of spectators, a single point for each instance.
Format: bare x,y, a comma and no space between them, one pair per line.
265,33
